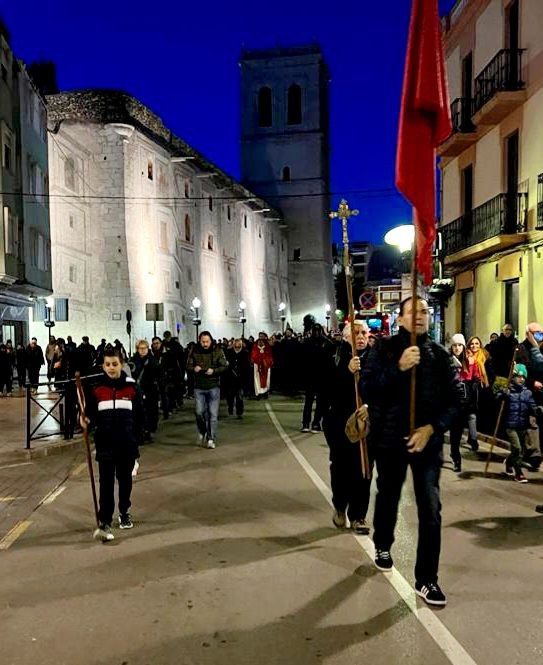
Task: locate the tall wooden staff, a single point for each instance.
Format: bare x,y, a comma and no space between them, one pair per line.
344,213
83,421
414,307
500,412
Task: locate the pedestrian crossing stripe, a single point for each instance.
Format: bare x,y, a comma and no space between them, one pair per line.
11,536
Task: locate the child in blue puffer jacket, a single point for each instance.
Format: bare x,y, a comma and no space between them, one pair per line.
520,406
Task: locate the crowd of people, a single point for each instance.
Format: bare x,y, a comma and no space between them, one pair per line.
493,388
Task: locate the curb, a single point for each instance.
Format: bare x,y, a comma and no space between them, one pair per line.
53,448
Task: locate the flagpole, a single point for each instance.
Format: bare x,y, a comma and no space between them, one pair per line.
344,213
414,303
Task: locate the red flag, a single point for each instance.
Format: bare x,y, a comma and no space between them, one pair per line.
425,122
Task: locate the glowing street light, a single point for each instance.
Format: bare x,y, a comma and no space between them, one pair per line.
401,237
196,319
242,319
282,308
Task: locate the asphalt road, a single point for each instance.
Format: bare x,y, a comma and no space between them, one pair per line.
234,560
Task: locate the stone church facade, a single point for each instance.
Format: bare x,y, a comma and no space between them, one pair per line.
139,217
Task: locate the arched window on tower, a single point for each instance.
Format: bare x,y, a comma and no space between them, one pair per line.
294,109
188,230
265,107
286,174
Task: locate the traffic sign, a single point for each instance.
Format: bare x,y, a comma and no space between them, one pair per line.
49,324
367,300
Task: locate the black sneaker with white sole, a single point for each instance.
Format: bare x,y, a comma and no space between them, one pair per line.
431,593
383,560
125,521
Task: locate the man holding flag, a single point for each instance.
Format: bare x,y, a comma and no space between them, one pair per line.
408,381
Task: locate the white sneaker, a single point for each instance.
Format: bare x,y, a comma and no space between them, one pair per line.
210,444
201,440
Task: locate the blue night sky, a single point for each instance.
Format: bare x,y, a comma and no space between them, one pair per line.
180,59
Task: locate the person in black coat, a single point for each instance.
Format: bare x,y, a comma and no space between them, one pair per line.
21,359
316,353
502,351
238,367
146,372
386,381
350,490
34,361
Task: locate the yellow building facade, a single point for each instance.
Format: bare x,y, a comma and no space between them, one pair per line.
492,166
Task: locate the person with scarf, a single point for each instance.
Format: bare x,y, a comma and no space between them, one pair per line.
460,362
262,361
477,377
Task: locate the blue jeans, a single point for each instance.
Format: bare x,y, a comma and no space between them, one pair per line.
207,410
391,472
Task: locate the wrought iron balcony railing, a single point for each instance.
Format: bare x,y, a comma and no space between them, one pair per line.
539,225
503,72
461,112
504,214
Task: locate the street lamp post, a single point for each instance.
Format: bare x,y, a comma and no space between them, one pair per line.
49,304
282,308
242,318
327,310
196,321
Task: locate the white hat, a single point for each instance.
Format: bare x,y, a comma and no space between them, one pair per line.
458,338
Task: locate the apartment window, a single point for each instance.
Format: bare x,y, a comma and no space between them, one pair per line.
163,235
61,309
260,232
188,229
69,173
72,274
150,168
210,241
7,150
187,189
512,302
244,221
189,275
265,107
167,281
294,110
286,174
9,231
228,213
210,203
297,255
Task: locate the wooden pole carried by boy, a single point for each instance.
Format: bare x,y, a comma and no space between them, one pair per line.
84,426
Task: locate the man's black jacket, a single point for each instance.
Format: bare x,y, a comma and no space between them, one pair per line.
386,389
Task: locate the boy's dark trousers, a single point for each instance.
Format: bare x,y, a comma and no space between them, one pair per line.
122,468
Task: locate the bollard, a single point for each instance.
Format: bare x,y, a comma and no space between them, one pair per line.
28,415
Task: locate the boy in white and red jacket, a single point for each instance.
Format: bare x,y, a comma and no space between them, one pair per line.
115,414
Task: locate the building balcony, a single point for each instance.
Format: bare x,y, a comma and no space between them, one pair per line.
499,88
493,226
539,221
464,133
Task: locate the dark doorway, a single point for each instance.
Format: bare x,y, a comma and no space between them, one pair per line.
467,93
467,313
512,166
512,303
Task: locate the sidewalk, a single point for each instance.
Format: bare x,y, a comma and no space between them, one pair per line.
13,427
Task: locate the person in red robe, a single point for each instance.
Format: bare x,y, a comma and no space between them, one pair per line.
262,361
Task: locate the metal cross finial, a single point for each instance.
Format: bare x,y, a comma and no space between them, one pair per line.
343,212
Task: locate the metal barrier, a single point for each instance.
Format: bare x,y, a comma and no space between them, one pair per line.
68,410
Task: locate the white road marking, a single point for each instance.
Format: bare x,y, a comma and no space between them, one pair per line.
49,498
5,499
12,535
12,466
445,640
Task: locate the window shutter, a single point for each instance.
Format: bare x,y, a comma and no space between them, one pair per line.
61,309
